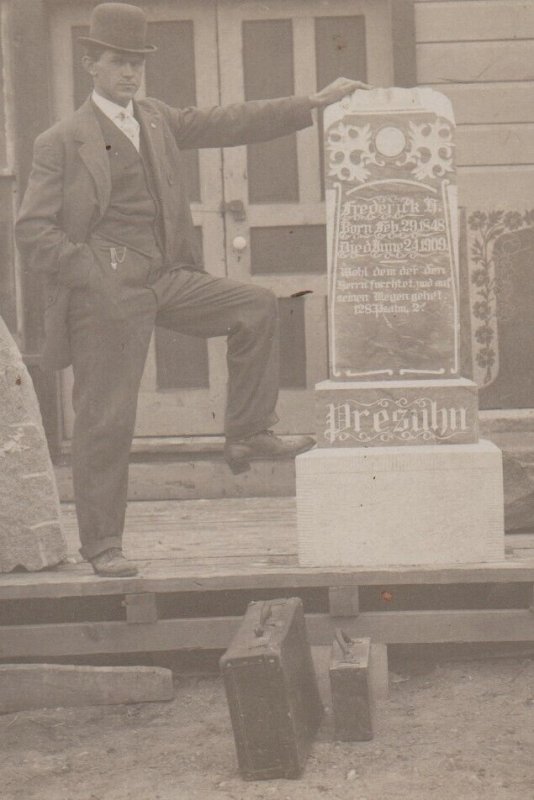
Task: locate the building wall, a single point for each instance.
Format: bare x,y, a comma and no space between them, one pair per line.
481,54
478,52
9,294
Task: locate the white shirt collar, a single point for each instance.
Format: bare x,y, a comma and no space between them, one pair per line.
109,108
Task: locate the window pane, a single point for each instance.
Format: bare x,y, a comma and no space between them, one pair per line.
170,76
340,51
268,72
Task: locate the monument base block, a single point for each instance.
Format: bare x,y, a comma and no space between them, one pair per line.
394,413
431,504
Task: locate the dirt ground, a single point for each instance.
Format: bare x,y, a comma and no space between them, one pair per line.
462,730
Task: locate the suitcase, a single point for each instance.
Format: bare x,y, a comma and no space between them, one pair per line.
272,690
352,697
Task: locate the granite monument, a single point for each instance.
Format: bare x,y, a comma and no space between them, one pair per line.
400,476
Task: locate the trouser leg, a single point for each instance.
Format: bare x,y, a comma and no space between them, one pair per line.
202,305
108,360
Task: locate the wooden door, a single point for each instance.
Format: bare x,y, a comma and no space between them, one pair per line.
183,387
280,48
223,51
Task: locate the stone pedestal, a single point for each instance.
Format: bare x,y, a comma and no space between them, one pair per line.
436,504
30,528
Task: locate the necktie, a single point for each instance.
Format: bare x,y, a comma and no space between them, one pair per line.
129,126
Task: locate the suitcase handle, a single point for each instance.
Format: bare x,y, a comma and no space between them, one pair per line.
344,641
265,613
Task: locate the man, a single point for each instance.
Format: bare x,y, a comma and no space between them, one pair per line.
106,220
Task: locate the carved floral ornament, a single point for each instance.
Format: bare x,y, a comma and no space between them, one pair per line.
485,230
426,147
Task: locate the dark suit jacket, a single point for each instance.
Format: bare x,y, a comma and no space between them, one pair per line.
69,190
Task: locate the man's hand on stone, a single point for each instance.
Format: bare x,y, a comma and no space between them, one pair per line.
335,91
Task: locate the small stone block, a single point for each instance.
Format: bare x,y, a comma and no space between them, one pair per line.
352,700
27,686
381,413
388,506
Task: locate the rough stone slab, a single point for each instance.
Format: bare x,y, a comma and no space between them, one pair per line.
26,686
30,528
441,504
392,413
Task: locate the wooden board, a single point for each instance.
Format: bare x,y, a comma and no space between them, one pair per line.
481,145
195,478
468,20
211,546
521,543
235,543
399,627
28,686
507,187
490,103
466,62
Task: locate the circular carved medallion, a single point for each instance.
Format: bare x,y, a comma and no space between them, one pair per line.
390,141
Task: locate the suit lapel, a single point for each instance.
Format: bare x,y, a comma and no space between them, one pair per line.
93,152
151,124
93,148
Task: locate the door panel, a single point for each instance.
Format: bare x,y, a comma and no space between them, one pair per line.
281,48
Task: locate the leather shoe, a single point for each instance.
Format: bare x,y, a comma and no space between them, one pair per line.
112,564
239,452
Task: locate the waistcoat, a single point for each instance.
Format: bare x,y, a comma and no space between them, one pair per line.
132,217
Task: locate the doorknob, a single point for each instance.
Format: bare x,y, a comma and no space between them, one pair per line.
239,243
236,208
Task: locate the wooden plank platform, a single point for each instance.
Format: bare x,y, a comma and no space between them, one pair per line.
211,549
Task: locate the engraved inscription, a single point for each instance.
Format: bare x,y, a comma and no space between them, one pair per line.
398,420
391,210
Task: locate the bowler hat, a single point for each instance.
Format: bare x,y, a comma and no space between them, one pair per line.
119,26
